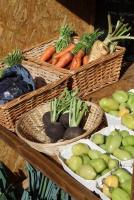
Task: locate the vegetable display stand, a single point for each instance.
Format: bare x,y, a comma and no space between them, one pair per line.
50,84
90,77
48,165
36,137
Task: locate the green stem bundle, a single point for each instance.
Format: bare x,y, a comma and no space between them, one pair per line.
61,104
65,37
10,60
13,58
76,112
86,41
120,32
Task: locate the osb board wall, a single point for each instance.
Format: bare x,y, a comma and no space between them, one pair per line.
24,23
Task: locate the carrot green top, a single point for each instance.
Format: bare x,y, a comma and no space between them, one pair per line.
86,41
65,37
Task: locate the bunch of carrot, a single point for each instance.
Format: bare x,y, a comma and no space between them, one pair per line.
73,55
65,38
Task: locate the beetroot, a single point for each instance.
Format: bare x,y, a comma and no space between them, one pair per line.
64,119
72,132
55,131
46,119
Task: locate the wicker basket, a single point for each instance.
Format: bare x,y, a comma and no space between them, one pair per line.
88,78
56,82
30,128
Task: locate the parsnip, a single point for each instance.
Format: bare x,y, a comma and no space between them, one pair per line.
102,48
98,50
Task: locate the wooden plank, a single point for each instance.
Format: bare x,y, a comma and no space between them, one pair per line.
48,166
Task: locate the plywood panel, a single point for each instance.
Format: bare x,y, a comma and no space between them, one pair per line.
10,158
24,22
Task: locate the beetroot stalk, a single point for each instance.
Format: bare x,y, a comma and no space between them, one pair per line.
76,113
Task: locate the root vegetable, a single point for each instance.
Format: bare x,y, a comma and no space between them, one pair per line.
85,59
46,119
55,131
77,60
54,60
120,32
66,56
64,60
53,127
69,48
64,119
83,47
98,50
49,51
57,56
76,112
65,38
72,132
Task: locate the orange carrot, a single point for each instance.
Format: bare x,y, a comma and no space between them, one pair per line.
49,61
77,60
70,47
48,53
64,60
54,60
73,63
85,59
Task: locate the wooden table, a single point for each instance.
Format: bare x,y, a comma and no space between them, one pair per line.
48,165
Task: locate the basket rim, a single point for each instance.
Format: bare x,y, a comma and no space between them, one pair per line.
60,142
35,92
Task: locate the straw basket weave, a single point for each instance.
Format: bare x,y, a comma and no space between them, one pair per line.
30,128
53,83
88,78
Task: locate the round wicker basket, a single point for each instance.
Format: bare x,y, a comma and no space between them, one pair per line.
30,128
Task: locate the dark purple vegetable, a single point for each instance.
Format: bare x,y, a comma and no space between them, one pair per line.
84,119
76,112
64,119
46,119
55,131
73,132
